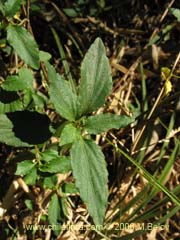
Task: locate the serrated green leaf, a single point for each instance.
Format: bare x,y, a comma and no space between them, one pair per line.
54,210
70,12
90,173
49,155
61,95
24,167
70,188
24,44
69,134
64,205
18,83
39,100
29,204
176,13
9,101
7,134
11,7
61,164
104,122
27,99
96,80
10,83
44,56
50,182
31,176
11,107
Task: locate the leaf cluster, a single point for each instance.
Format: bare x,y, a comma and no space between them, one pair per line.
21,125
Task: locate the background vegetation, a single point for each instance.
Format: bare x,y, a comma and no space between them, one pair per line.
142,44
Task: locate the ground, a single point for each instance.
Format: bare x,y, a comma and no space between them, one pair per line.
142,40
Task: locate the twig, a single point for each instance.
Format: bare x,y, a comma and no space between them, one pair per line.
152,110
11,195
156,30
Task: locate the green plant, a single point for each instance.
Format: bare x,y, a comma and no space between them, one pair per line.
51,125
24,123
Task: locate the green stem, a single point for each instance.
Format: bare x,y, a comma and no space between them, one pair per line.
64,62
